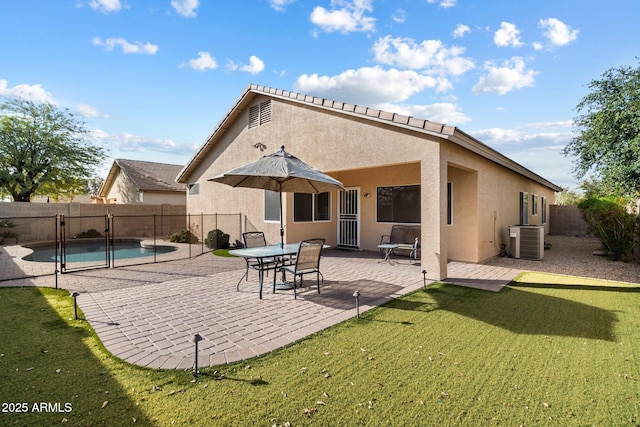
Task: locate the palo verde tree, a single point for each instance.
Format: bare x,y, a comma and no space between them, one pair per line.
44,150
607,144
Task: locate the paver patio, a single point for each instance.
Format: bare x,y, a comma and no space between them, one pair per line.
148,314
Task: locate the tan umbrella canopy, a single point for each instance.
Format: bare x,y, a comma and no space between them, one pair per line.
280,172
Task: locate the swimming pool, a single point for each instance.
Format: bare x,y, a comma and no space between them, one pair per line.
93,250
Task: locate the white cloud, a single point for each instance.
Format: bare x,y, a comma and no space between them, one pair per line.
135,47
345,16
203,62
460,31
536,149
127,142
105,6
89,111
255,65
33,93
444,3
399,16
186,8
443,112
557,32
368,85
507,35
513,74
280,5
429,55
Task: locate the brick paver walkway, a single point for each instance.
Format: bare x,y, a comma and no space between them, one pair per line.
148,314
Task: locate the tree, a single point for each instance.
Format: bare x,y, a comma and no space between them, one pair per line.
44,150
608,124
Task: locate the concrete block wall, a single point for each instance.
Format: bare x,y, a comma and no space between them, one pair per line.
35,222
566,220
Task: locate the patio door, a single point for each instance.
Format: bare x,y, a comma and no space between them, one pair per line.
349,218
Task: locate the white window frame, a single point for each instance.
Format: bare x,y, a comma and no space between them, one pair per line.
264,207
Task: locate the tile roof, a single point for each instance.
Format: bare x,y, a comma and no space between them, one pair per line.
151,176
451,133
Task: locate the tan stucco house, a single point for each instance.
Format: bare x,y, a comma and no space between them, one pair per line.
135,181
395,169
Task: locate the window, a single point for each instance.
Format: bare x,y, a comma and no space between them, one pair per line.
271,206
399,204
524,208
193,189
534,204
544,209
260,114
311,207
449,203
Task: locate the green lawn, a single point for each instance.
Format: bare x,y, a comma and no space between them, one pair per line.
549,349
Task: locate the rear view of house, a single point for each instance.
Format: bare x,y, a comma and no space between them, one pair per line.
395,169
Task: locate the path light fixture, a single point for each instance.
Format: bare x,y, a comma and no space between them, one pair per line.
75,303
356,294
424,279
196,339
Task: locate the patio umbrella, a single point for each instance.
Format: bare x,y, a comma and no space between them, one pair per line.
280,172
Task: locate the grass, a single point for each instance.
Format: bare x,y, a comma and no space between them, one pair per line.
222,253
549,349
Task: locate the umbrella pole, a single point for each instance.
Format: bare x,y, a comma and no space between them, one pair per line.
281,219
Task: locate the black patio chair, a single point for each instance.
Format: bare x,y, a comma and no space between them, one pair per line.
254,239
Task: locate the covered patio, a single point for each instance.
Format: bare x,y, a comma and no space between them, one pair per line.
147,314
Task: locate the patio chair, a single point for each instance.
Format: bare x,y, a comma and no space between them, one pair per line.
254,239
307,261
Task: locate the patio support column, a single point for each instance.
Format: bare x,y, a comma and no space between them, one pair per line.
433,250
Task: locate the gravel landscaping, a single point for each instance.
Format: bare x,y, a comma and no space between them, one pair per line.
573,256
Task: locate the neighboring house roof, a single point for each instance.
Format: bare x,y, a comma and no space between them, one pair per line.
145,176
450,133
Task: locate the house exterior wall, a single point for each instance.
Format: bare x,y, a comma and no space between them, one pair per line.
122,190
329,141
497,199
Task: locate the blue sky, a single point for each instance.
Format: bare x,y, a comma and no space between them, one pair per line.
151,78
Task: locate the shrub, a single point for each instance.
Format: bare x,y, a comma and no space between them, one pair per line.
608,220
183,236
89,234
6,223
217,239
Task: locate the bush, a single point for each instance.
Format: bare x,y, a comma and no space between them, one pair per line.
217,239
183,236
89,234
6,223
608,220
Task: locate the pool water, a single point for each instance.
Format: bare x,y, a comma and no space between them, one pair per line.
92,251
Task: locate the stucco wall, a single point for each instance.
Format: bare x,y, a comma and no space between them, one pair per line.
497,195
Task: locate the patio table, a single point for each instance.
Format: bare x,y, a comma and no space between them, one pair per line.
388,250
261,253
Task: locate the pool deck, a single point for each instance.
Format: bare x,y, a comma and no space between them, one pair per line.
147,314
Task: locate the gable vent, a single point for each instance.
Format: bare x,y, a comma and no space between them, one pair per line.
260,114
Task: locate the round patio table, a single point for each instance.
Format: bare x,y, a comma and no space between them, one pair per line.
388,249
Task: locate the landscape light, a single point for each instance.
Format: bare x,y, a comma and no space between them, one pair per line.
357,295
196,339
75,303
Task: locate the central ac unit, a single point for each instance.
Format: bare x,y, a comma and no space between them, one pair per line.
526,241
